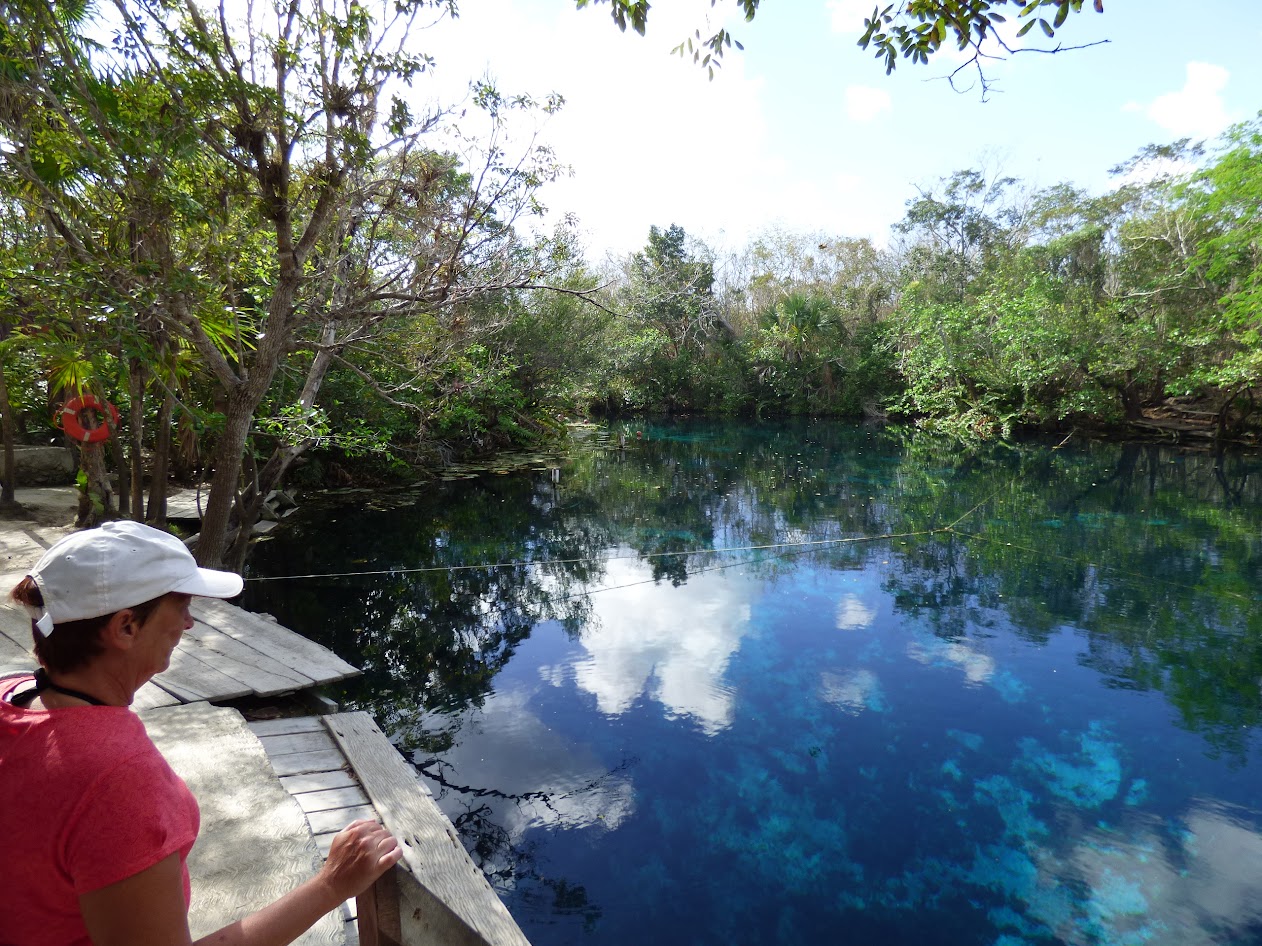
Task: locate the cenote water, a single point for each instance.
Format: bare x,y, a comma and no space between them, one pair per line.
817,683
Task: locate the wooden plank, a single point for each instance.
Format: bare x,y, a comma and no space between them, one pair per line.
322,822
265,675
20,658
300,763
12,650
186,503
297,742
329,799
324,842
282,644
191,679
151,697
378,909
178,693
431,848
286,726
318,781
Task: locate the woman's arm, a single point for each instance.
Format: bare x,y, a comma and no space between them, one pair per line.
147,909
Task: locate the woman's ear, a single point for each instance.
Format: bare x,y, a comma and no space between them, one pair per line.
120,631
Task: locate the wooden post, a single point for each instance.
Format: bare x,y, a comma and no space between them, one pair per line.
378,912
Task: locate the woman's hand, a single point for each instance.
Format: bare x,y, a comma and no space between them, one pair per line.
147,909
361,852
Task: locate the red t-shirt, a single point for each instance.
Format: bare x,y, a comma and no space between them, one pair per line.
86,800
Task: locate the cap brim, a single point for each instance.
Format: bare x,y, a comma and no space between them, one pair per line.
208,583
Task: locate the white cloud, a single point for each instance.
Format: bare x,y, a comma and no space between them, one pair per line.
1199,888
651,139
1196,110
675,653
864,103
848,183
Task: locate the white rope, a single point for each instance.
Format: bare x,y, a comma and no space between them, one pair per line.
609,558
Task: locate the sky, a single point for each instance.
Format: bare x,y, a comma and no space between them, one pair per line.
804,131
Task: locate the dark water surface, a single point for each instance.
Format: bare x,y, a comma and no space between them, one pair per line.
816,683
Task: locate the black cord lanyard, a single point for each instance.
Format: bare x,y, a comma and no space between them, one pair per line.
42,683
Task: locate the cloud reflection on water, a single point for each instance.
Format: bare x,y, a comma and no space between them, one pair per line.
852,692
853,614
978,667
671,644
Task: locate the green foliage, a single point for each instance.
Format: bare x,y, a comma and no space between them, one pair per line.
917,29
164,232
912,30
1228,196
295,424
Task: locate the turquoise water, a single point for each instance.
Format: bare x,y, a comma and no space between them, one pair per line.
820,683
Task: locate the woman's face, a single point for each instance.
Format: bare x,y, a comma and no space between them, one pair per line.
163,629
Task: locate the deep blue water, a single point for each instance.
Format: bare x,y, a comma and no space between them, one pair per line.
753,689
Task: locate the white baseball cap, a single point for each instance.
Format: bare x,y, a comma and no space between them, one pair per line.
120,565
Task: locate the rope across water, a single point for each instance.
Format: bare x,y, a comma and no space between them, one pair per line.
781,548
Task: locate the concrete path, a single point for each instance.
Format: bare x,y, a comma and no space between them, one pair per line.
49,514
255,844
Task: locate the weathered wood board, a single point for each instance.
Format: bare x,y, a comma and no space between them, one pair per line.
456,903
269,638
265,675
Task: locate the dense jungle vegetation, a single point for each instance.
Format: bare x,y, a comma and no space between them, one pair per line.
250,241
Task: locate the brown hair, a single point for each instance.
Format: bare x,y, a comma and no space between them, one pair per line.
72,644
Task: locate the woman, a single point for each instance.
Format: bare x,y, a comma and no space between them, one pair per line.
95,827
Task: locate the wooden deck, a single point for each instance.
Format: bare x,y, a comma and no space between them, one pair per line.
228,654
254,843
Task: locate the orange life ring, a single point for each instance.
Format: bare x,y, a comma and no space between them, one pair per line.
73,425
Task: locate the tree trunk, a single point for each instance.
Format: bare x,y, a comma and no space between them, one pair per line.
273,473
123,472
158,475
244,397
213,541
96,500
135,431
